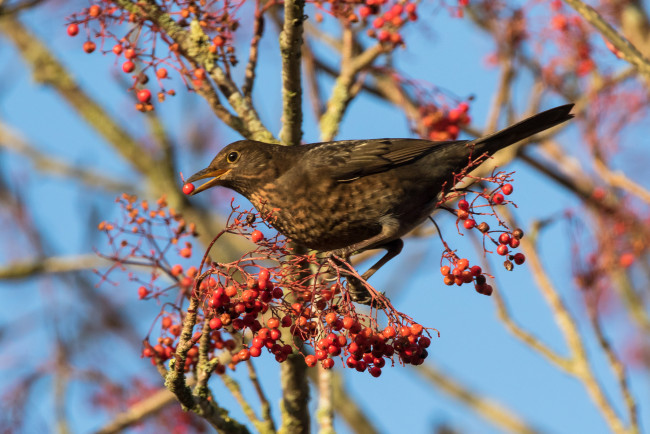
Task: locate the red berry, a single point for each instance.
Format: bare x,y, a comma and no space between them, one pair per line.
94,11
462,264
311,360
498,199
188,188
626,259
410,8
384,36
514,243
129,53
502,249
507,189
128,66
444,270
389,332
89,46
244,354
177,270
273,323
519,258
327,363
462,214
161,73
375,371
365,11
215,323
463,204
73,29
378,22
257,236
199,73
255,352
463,107
454,115
469,223
476,270
142,292
144,95
117,49
264,274
504,238
348,322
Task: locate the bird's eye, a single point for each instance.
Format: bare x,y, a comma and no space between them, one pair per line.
232,157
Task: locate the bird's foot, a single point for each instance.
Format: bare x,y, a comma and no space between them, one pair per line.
361,293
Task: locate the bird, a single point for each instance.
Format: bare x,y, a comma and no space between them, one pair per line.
344,197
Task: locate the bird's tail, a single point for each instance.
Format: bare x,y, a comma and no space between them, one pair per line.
526,128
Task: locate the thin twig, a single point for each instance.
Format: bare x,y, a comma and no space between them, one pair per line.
258,31
617,367
487,408
264,402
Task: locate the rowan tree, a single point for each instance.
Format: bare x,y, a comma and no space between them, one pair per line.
127,304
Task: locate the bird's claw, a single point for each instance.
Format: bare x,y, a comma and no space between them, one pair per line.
359,293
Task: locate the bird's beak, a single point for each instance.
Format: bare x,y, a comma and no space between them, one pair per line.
215,174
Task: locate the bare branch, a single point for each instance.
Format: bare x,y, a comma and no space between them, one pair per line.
487,408
628,51
60,264
139,411
341,93
258,30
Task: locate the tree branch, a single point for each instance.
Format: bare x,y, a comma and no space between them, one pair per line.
628,51
291,49
295,396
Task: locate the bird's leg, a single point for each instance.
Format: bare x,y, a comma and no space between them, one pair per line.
393,249
358,291
357,288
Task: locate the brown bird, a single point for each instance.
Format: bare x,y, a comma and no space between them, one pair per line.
347,196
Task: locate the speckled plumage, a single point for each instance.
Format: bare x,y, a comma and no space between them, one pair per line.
355,194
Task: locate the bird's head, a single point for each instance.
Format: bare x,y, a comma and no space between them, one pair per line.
241,166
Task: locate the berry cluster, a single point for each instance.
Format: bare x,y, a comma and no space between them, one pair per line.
459,270
386,24
442,123
140,45
463,273
267,308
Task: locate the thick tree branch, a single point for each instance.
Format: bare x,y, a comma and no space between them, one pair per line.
291,49
295,396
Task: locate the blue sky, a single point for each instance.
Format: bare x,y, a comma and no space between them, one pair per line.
474,346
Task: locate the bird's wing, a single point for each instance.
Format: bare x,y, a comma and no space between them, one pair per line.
351,159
